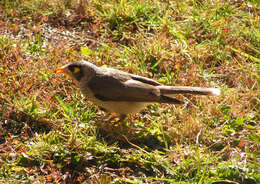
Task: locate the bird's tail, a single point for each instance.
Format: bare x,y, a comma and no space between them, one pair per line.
169,90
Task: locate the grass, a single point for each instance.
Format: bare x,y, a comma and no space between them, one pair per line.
51,134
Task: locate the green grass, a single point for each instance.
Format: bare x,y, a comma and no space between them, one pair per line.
49,133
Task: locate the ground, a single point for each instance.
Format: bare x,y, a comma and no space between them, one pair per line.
49,133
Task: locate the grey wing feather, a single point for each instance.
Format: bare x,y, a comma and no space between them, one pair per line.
135,77
120,87
145,80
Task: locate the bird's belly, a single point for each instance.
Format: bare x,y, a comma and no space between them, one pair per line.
120,107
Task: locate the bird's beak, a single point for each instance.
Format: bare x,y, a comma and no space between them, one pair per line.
64,71
61,70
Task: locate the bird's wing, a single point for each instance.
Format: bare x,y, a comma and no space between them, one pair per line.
132,76
121,87
145,80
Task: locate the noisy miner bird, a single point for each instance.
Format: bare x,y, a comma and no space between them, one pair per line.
124,93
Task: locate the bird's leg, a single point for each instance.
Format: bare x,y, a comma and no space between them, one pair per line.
116,119
112,117
113,125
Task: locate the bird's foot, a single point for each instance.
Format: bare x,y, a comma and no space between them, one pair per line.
111,118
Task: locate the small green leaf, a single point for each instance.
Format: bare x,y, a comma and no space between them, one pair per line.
225,109
85,51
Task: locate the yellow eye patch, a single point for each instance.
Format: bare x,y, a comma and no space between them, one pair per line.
76,69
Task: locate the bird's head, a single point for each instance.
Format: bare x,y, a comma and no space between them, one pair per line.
77,70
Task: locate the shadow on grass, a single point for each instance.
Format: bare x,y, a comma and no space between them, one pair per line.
128,135
16,122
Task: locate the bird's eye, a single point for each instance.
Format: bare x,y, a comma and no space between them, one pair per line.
76,70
